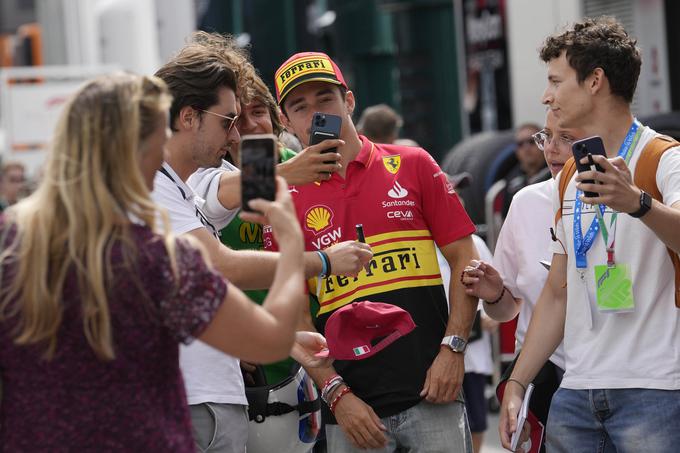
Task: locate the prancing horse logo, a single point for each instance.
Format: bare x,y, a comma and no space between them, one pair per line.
392,163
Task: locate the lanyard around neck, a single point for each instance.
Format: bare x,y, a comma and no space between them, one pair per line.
583,243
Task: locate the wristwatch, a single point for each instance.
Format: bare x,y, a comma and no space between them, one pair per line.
456,343
645,205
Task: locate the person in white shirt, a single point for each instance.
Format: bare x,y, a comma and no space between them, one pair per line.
517,274
204,83
611,296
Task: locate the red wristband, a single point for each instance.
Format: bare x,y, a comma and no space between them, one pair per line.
336,400
328,381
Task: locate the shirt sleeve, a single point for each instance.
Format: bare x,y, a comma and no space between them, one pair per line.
195,293
439,196
505,256
668,176
556,246
205,182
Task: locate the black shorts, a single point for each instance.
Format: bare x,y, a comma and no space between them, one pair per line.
475,401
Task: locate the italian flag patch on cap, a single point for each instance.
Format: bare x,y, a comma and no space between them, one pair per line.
361,350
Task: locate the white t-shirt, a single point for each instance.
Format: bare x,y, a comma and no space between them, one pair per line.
640,349
205,182
478,353
523,242
209,374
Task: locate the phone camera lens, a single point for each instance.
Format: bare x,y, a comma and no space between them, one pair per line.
321,121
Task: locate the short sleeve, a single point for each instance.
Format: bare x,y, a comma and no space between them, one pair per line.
505,256
556,246
193,297
668,176
438,198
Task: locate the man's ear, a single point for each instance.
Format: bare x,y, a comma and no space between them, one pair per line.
350,102
186,118
596,80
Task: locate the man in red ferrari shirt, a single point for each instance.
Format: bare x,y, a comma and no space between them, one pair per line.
408,395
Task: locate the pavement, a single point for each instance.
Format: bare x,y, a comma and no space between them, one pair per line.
492,442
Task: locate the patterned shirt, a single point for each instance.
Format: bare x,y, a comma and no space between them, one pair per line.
136,402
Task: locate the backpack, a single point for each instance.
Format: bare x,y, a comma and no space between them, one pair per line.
644,178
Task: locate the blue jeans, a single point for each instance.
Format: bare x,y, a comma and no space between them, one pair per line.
614,420
424,428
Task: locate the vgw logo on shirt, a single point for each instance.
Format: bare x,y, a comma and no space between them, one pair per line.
319,219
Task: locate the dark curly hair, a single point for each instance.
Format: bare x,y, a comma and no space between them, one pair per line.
600,42
208,62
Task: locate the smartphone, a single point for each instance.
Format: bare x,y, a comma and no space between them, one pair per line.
325,127
581,149
258,159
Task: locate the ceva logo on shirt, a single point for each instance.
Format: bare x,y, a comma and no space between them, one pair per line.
397,191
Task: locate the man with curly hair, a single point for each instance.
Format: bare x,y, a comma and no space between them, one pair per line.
610,293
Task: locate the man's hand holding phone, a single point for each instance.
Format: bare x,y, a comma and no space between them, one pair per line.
312,164
614,185
604,181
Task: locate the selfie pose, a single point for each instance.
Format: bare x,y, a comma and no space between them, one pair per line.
204,84
96,295
407,396
618,316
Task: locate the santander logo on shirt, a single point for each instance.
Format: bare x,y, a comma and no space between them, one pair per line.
397,191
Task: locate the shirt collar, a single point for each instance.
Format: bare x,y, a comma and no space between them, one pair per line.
186,190
366,152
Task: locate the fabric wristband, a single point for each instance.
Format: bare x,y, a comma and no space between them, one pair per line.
337,399
328,263
324,263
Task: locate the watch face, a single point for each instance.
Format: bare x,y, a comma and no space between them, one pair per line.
457,344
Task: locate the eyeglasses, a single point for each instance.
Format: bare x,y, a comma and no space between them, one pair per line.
543,138
228,123
526,141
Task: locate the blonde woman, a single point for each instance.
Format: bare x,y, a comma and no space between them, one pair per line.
94,300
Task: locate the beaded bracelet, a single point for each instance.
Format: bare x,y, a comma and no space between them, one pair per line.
336,400
498,299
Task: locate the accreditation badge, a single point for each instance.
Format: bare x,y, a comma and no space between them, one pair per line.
614,288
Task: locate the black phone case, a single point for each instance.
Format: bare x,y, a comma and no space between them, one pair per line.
257,169
325,127
581,149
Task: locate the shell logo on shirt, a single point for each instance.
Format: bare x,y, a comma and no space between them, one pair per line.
318,218
392,163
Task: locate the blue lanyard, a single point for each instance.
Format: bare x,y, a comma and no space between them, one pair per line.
583,243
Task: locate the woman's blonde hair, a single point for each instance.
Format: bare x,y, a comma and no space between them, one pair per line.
92,187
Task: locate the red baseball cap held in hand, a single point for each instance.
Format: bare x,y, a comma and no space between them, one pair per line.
361,329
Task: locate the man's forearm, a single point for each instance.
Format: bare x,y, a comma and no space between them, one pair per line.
463,308
664,221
